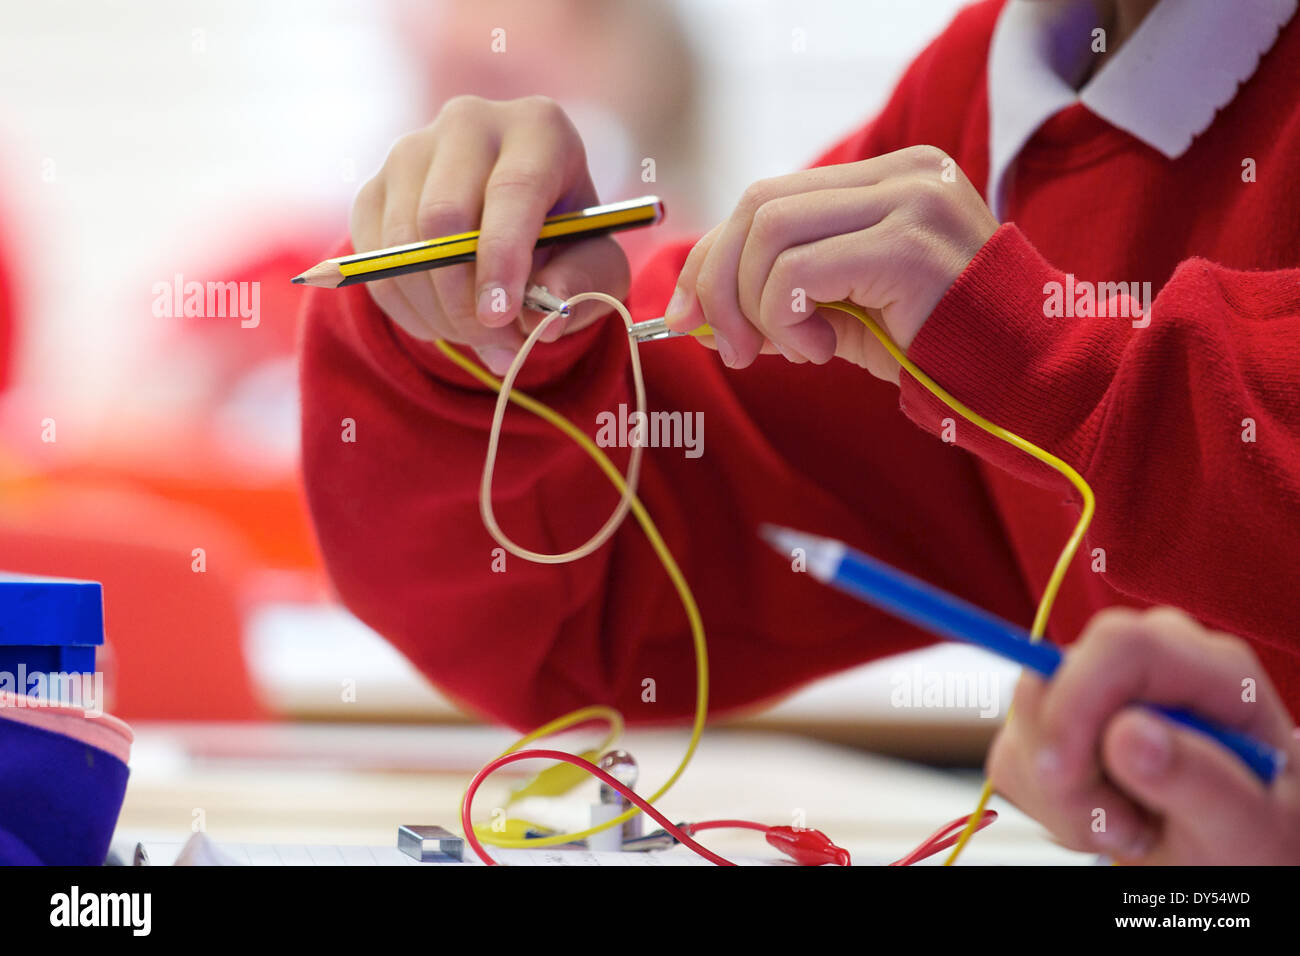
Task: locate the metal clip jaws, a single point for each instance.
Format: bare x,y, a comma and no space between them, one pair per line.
652,330
658,840
537,298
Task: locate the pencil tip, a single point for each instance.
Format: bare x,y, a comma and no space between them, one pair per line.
297,280
778,537
821,556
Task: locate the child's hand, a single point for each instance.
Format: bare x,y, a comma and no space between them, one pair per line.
1077,755
890,233
505,165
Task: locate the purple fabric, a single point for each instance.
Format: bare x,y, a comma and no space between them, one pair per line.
59,798
14,852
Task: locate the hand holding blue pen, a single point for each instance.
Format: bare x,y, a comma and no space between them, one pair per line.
934,610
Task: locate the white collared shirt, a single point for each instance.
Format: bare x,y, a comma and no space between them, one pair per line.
1164,85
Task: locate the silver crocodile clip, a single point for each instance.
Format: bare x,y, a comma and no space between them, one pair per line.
537,297
652,330
658,840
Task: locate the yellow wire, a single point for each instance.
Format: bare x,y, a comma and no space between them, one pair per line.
1062,561
563,772
675,575
688,601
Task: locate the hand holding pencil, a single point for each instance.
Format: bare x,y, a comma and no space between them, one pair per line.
1171,796
1153,740
501,168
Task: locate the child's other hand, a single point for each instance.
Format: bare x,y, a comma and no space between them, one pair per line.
1078,754
500,167
890,233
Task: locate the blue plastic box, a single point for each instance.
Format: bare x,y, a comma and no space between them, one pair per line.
50,625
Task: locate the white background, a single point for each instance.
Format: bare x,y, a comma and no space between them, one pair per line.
175,127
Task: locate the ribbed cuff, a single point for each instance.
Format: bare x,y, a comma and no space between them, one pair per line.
990,345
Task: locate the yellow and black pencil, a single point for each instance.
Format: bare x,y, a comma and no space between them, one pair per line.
449,250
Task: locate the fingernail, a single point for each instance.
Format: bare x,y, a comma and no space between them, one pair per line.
492,303
554,330
725,350
1139,846
496,359
1152,750
1112,840
1123,845
1048,762
678,305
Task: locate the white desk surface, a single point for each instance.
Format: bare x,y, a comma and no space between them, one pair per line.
339,784
296,652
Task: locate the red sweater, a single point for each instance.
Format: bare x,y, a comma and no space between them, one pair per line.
1188,513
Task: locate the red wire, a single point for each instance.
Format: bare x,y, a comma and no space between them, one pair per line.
681,835
941,839
937,841
727,825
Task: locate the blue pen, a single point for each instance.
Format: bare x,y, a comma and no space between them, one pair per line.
935,610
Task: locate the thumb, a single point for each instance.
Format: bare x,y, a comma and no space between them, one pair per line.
855,343
1183,776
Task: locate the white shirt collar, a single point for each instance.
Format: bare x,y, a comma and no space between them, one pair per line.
1182,65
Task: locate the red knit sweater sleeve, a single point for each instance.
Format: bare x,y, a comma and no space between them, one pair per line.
1185,421
396,511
